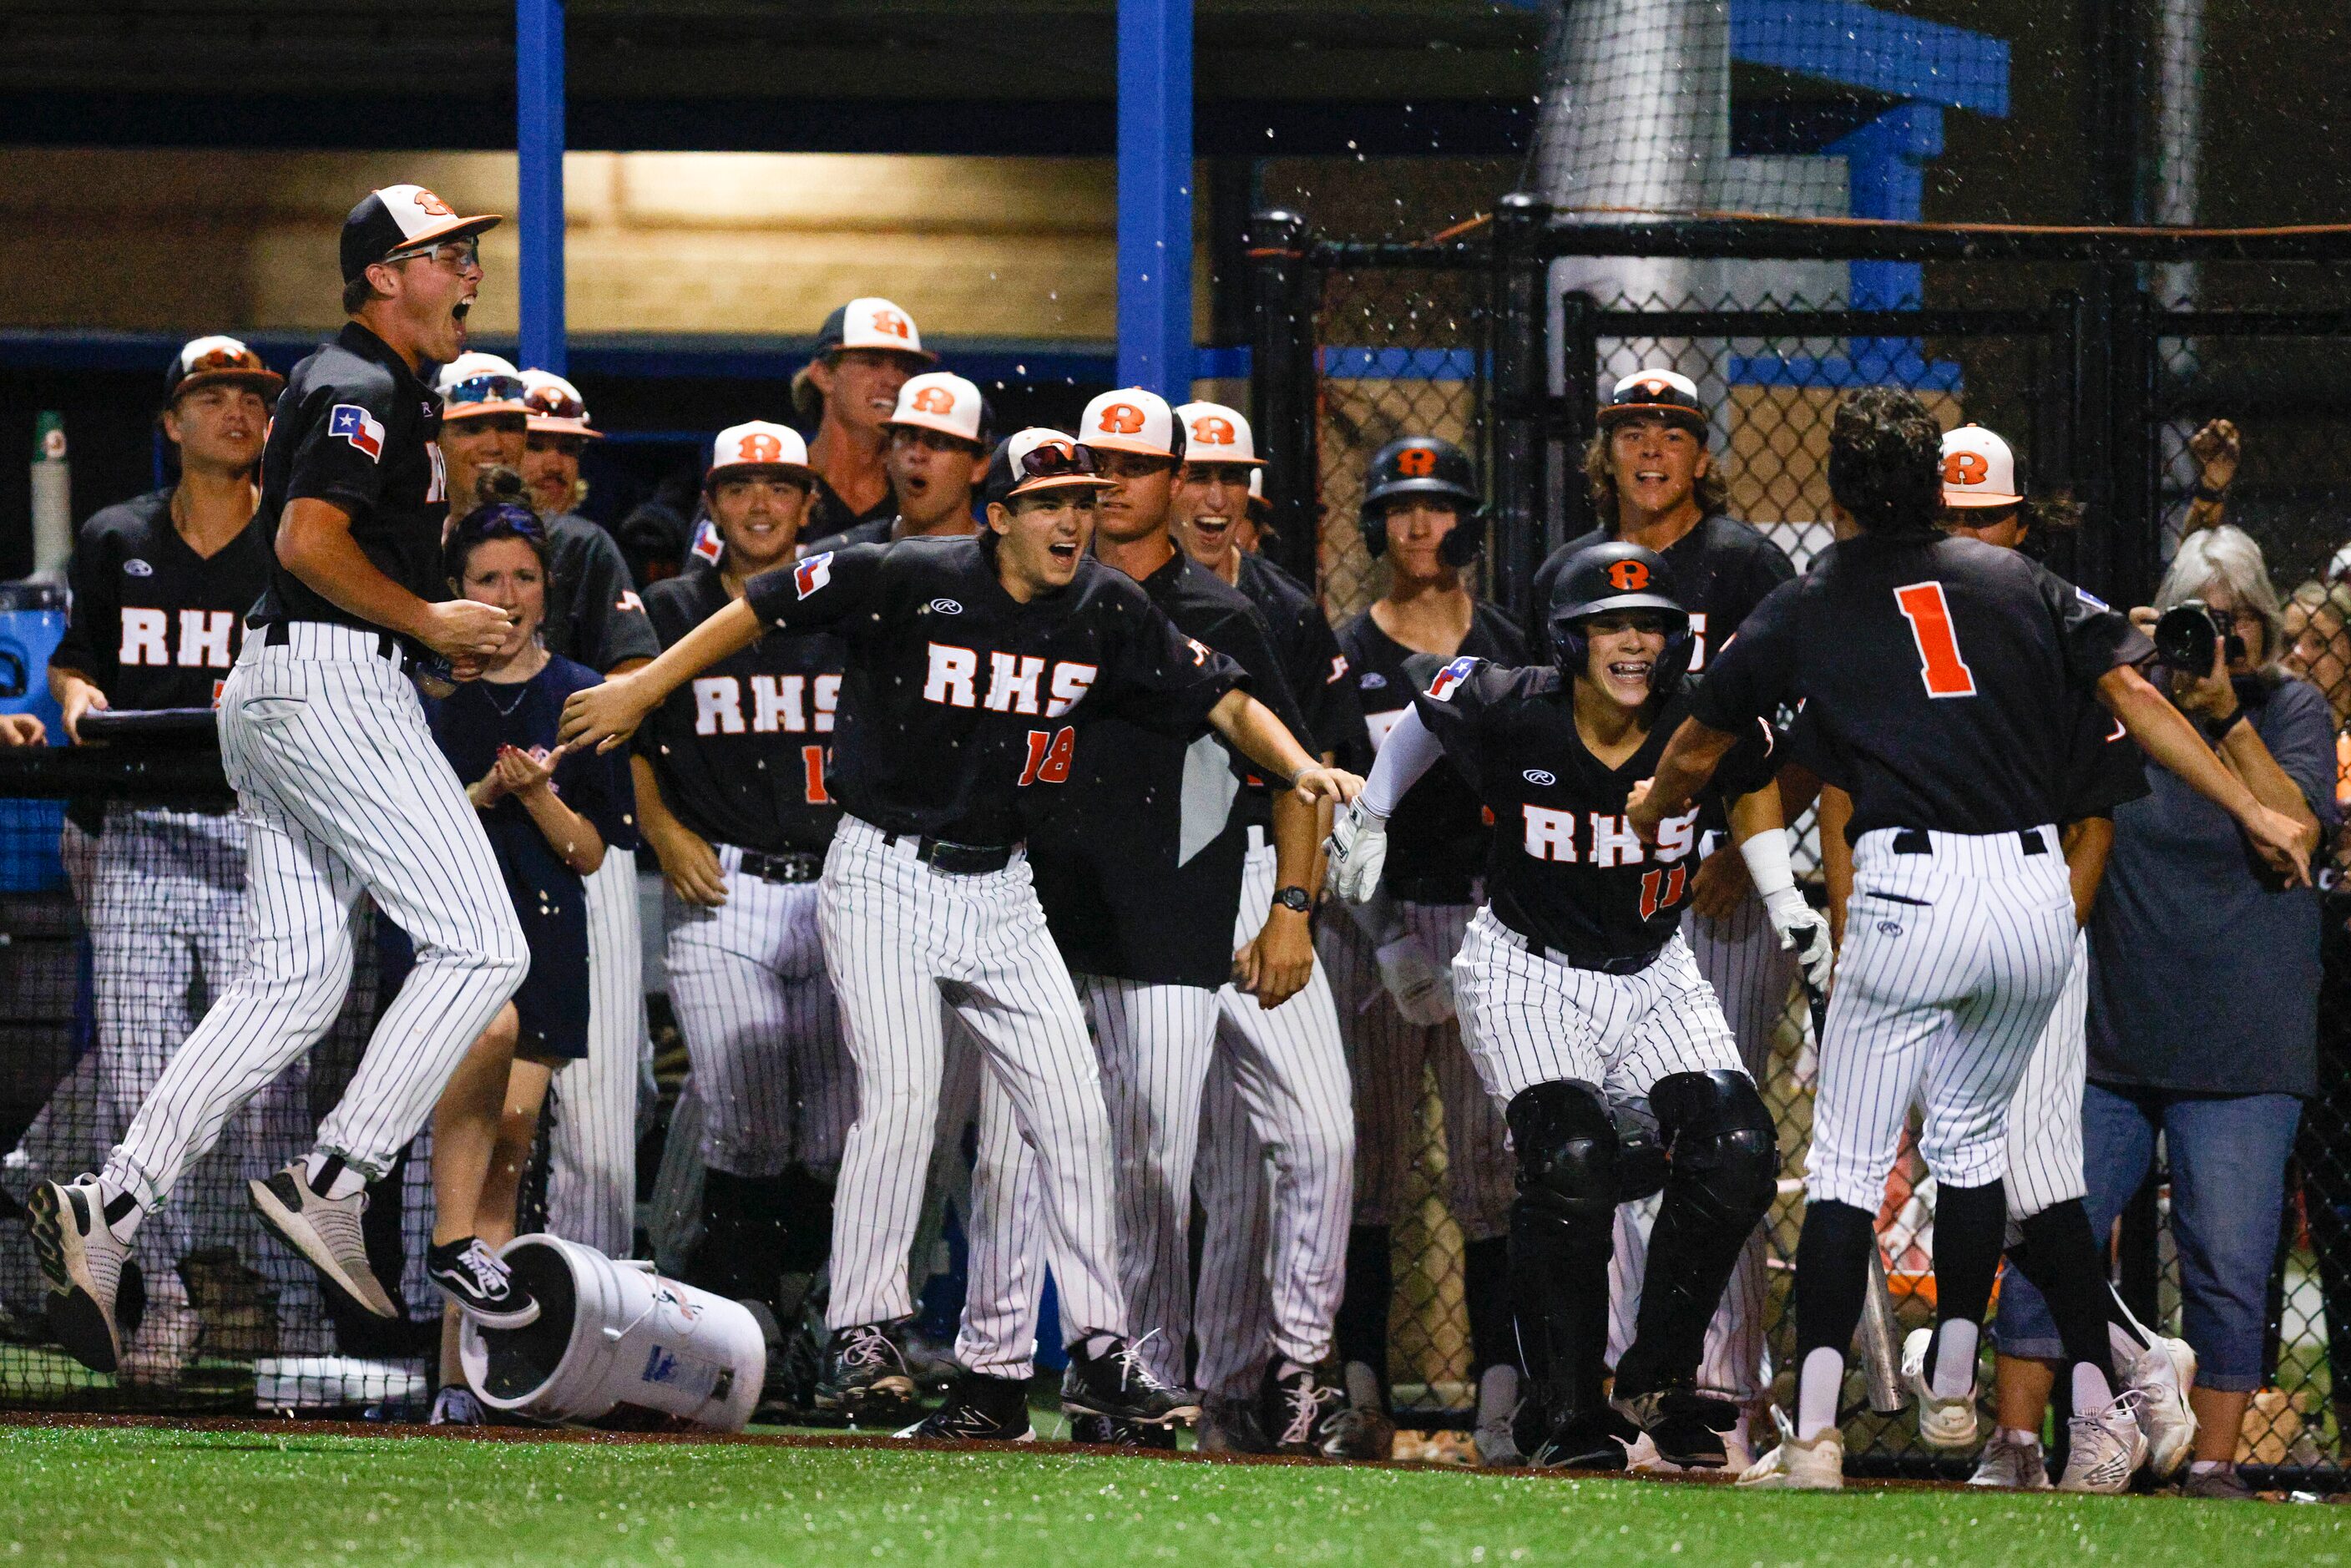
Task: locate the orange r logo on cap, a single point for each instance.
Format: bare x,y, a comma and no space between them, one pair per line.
935,400
1966,468
1121,419
1212,430
759,449
891,322
1416,463
427,202
1628,576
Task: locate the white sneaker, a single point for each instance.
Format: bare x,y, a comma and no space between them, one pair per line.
324,1230
1797,1465
83,1263
2012,1462
1942,1422
2107,1448
2161,1377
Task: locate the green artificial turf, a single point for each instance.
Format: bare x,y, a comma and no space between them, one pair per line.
253,1499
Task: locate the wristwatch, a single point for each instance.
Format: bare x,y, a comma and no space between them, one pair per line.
1296,900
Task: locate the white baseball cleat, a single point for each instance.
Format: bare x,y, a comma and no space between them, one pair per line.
1797,1464
2162,1376
1942,1422
2106,1447
2012,1462
83,1263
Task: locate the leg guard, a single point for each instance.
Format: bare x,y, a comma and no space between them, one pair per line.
1560,1239
1724,1171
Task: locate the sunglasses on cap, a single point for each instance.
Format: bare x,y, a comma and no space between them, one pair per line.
215,359
554,402
1055,461
493,386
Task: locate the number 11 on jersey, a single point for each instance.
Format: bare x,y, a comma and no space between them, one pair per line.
1939,664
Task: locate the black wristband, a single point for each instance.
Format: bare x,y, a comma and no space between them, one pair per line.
2217,730
2205,493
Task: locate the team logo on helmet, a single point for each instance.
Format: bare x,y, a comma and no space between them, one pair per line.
892,324
1213,430
759,448
1654,387
1121,419
1628,576
1415,462
935,400
426,202
1964,468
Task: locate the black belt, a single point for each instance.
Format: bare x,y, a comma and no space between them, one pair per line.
1618,964
791,865
1917,841
1431,889
276,635
958,860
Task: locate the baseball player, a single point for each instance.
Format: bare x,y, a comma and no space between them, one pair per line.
161,585
731,792
340,790
1140,875
1422,514
865,352
1653,482
1581,1003
1938,672
1982,500
937,451
971,665
556,437
1233,1307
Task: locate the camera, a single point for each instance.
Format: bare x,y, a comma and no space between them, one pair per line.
2186,633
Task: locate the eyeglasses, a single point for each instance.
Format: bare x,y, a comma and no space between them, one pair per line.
554,402
456,254
491,386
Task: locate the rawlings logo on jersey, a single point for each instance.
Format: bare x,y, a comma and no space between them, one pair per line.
1373,680
812,573
349,422
946,607
1452,675
1541,779
137,568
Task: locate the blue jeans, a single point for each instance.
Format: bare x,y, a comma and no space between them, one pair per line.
2228,1155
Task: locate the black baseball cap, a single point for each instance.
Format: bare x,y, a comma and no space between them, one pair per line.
403,218
1655,394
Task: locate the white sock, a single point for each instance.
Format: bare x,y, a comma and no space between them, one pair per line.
2092,1392
1819,1386
1955,1359
2020,1437
346,1181
2207,1467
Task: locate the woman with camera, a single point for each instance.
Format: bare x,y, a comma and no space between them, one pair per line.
2204,984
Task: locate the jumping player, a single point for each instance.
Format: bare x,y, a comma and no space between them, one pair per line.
1938,673
1580,1000
969,662
1422,514
341,788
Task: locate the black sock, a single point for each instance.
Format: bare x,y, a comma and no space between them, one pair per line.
1486,1293
1832,1275
2061,1257
1361,1327
804,1201
1970,1222
742,1242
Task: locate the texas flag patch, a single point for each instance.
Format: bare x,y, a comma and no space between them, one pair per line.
812,573
1453,674
349,422
706,546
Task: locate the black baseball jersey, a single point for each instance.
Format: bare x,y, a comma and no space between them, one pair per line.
740,749
1312,662
1943,678
959,705
1566,870
828,516
153,623
355,428
1722,568
1438,836
1139,868
593,612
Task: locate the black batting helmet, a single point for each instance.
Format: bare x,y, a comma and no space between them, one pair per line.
1618,575
1423,465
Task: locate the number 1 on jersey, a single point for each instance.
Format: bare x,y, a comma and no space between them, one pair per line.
1939,664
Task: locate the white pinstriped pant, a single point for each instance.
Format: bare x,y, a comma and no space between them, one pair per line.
342,792
1273,1258
1953,962
1752,977
2044,1120
592,1136
900,937
1388,1057
762,1030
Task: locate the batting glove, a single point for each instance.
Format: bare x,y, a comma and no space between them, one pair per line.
1357,848
1804,931
1422,989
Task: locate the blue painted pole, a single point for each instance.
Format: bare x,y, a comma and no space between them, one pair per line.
1154,196
539,149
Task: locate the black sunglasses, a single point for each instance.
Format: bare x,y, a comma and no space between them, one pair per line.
1056,460
493,386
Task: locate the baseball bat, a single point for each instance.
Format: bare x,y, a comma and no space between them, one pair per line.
1881,1347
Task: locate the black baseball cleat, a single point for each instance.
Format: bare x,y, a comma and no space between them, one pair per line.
1594,1439
865,1376
1299,1410
1108,1432
1116,1384
480,1283
979,1410
1684,1426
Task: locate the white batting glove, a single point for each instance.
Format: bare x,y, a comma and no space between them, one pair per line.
1357,848
1421,987
1804,930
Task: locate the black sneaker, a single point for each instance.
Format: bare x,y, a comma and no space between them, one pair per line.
1231,1427
979,1410
1596,1439
1109,1432
478,1281
1117,1384
1685,1427
1299,1411
865,1376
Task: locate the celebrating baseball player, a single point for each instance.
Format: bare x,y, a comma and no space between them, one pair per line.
1421,514
969,660
341,788
1938,673
937,451
556,437
731,793
865,352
